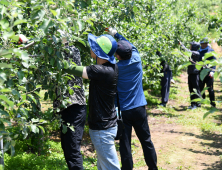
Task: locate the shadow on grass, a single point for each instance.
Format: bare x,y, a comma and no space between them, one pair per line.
180,108
213,141
162,114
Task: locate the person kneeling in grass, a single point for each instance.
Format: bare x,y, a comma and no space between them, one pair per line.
102,117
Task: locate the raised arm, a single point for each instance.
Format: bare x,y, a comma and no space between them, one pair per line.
115,34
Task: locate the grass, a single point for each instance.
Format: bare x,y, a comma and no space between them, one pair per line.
179,113
54,160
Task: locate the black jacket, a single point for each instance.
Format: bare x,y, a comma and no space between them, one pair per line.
195,57
192,68
165,66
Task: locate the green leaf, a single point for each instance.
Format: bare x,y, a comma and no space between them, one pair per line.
207,55
212,110
34,128
50,50
81,25
184,65
9,102
52,61
12,150
4,2
64,128
20,21
4,23
81,41
2,112
71,91
5,65
8,56
53,12
72,128
35,120
38,86
20,76
23,112
205,101
198,67
6,90
25,64
22,88
25,56
90,22
15,38
216,74
45,25
42,128
8,34
196,100
2,126
33,98
66,64
203,73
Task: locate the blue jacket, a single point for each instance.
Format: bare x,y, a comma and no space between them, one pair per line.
206,50
129,86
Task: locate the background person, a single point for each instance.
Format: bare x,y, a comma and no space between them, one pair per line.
165,80
102,90
132,103
193,74
74,114
209,78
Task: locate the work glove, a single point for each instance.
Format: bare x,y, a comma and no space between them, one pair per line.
111,31
172,81
22,39
211,74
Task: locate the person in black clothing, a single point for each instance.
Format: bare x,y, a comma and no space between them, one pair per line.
74,114
102,117
165,80
193,74
209,79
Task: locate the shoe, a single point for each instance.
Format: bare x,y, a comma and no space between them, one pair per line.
213,105
162,104
198,105
192,107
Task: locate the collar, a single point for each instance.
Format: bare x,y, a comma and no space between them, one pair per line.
204,49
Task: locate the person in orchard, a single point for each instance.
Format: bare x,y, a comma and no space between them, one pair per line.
102,117
132,103
193,74
75,113
209,78
165,80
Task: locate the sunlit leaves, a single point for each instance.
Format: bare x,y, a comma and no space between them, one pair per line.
204,73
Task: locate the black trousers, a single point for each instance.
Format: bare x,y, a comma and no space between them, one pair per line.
209,82
71,140
193,83
137,118
165,84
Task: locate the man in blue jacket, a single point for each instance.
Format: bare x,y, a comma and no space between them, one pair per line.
132,103
209,79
